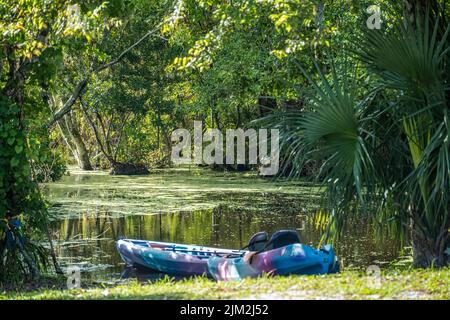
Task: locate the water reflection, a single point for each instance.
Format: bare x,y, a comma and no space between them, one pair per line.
88,240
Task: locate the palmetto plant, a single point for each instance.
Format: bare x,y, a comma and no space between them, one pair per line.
384,153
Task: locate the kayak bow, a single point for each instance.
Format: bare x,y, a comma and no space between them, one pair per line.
171,258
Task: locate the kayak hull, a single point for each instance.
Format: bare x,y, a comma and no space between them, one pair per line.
170,258
292,259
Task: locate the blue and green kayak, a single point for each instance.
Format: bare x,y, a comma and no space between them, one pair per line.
282,254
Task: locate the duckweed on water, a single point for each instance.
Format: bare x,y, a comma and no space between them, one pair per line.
169,191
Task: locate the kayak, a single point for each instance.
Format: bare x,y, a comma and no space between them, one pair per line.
171,258
296,258
282,254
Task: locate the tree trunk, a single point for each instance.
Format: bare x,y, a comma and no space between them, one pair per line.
81,154
73,140
427,251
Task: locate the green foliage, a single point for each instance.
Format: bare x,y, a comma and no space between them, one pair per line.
20,198
47,162
34,35
384,151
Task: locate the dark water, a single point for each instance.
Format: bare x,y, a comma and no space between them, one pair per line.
86,238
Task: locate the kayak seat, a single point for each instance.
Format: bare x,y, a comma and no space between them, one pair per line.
257,242
282,238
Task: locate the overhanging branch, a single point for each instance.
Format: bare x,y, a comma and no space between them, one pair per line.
67,107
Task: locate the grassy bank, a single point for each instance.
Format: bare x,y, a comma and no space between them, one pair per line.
406,284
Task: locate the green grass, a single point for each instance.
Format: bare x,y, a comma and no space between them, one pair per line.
406,284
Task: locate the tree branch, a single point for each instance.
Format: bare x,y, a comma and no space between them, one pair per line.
134,45
94,129
67,107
